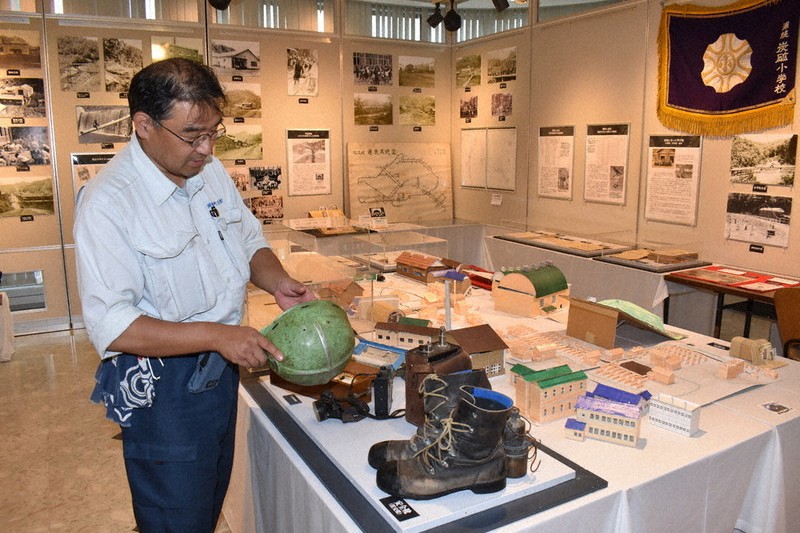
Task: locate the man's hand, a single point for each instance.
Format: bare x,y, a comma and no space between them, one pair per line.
290,292
246,347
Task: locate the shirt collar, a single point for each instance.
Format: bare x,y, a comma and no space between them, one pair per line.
160,187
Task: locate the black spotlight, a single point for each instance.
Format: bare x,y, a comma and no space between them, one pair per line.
437,17
220,4
452,20
500,5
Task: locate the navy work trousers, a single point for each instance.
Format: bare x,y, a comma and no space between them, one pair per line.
179,452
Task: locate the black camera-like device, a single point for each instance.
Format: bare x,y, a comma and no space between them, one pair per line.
328,406
382,393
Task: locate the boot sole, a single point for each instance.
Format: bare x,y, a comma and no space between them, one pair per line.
485,488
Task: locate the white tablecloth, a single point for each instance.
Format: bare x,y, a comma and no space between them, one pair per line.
736,472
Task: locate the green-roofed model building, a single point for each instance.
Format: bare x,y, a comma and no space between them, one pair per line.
530,291
545,395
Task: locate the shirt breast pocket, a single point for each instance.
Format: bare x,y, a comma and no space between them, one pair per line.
180,274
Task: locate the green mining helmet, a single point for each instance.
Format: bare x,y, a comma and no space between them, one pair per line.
316,339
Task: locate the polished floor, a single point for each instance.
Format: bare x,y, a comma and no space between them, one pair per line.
61,463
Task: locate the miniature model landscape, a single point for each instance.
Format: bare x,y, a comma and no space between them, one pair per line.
429,321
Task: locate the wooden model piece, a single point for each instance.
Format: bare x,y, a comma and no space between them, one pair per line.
340,292
546,395
404,335
754,351
669,256
420,267
530,291
730,369
484,346
674,414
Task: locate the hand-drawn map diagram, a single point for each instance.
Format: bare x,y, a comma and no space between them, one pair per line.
411,181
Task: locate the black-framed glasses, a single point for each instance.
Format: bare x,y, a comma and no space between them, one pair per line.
200,139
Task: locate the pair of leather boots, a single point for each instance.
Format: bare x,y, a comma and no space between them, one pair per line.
472,438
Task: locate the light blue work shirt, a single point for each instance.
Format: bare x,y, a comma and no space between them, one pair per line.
145,246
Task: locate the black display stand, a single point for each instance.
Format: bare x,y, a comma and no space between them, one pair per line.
369,519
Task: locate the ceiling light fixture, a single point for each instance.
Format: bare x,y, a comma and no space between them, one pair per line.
452,20
437,17
220,4
500,5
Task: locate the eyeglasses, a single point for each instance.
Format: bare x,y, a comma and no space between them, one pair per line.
200,139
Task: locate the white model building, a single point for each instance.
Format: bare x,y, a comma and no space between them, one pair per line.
675,414
608,414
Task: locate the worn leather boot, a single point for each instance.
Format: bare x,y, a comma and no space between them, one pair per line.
519,445
440,394
467,454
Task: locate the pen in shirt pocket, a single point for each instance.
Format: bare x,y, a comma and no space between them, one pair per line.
215,214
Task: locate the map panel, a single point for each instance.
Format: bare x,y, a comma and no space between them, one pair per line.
411,181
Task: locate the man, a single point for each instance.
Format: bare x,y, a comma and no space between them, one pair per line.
165,248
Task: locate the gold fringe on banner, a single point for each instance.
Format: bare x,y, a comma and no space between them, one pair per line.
771,115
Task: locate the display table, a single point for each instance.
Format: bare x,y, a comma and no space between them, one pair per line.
736,472
720,290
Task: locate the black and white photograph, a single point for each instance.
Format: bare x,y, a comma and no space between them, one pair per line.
79,63
167,47
468,71
235,58
764,159
372,109
417,110
501,104
468,107
415,71
758,218
241,178
86,166
241,141
24,146
501,65
372,69
103,124
244,100
302,71
20,49
26,195
265,179
22,97
266,208
123,59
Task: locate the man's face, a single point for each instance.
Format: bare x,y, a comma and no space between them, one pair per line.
175,157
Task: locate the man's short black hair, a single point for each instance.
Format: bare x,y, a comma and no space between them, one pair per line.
159,86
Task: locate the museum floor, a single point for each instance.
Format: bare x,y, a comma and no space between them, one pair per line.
61,465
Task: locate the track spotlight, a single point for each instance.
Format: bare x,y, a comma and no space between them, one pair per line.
437,17
452,20
220,4
500,5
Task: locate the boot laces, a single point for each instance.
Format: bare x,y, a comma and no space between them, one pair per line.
431,429
438,451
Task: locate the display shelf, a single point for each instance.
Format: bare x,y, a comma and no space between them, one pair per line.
584,247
